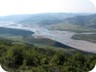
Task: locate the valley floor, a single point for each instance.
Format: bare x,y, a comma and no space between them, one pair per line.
63,37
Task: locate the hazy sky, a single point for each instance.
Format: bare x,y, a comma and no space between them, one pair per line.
8,7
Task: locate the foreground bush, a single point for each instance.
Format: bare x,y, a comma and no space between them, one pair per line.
29,58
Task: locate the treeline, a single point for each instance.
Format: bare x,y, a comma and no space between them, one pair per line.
29,58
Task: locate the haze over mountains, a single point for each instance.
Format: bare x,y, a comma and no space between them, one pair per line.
77,22
88,21
49,18
57,21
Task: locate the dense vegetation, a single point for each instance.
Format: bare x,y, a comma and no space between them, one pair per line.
29,58
86,37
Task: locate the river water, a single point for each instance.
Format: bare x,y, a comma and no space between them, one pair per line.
63,37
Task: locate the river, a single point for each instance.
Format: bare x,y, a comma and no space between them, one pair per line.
63,37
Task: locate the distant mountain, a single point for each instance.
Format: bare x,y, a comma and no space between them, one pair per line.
47,18
41,19
88,21
59,21
15,18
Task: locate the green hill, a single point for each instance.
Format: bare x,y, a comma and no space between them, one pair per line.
77,23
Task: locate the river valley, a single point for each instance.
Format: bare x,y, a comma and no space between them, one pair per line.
63,37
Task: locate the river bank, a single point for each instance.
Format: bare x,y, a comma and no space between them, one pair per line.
63,37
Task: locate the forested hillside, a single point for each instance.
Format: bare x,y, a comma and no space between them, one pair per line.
29,58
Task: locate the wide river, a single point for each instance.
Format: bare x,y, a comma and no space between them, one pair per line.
63,37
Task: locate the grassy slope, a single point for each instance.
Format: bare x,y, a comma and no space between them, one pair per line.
26,36
71,27
40,42
86,37
77,24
